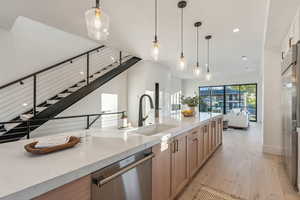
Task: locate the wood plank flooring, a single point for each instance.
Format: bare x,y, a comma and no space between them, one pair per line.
240,168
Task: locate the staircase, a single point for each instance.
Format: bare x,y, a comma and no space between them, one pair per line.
44,108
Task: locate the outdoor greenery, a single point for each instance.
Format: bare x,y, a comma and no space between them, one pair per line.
190,101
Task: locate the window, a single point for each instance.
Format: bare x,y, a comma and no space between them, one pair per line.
217,99
205,100
222,99
109,103
175,102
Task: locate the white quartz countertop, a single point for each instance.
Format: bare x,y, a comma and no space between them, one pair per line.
24,176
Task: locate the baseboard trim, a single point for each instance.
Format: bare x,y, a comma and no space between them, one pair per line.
272,150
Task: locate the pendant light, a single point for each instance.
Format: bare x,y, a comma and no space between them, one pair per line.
208,74
97,23
197,69
155,44
182,62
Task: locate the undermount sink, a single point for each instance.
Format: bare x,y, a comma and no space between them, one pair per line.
153,129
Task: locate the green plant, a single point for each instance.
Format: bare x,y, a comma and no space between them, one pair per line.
190,101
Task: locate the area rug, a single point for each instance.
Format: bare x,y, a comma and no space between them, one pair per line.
207,193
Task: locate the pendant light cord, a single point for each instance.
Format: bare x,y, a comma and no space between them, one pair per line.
97,3
197,46
155,36
181,31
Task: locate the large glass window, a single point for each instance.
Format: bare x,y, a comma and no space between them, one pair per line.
205,100
222,99
232,97
217,99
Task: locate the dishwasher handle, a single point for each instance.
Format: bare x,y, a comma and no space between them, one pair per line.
100,182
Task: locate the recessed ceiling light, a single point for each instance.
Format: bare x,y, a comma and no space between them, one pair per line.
244,58
24,104
82,73
236,30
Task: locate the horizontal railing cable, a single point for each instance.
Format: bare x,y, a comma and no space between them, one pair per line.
50,67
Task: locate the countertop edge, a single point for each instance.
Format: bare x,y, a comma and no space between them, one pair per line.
44,187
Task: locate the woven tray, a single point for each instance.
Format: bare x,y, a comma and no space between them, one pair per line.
31,147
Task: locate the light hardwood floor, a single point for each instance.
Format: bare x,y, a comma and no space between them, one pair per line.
240,168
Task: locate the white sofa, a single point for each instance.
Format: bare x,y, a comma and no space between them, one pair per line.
237,118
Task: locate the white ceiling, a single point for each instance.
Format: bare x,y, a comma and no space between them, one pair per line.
132,26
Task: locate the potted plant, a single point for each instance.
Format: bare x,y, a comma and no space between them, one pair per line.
192,103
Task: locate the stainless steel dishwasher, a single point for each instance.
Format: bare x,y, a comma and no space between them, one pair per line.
128,179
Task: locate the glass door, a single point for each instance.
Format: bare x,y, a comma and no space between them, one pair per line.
248,100
232,96
217,99
205,99
227,98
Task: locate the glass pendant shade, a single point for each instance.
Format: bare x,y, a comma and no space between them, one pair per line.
97,23
155,50
197,71
181,63
208,76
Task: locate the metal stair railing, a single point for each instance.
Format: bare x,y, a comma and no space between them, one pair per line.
30,94
31,124
42,104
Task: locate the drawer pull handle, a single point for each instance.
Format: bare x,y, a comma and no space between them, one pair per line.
100,182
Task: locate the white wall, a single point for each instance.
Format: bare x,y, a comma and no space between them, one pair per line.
142,77
272,101
280,20
293,33
190,87
31,46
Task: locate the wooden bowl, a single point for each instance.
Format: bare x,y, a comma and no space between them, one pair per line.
31,147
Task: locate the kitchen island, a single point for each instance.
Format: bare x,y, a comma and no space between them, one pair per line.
25,176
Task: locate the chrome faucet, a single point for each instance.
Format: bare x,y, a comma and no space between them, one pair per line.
141,118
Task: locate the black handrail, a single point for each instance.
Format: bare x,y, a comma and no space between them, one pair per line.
50,67
63,117
30,124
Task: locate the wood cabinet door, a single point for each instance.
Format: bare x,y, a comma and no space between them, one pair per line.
77,190
210,138
193,150
214,131
201,156
206,141
220,131
161,172
179,164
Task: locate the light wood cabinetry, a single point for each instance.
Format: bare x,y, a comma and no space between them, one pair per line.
76,190
201,156
161,173
220,131
193,152
172,167
179,164
206,141
213,135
